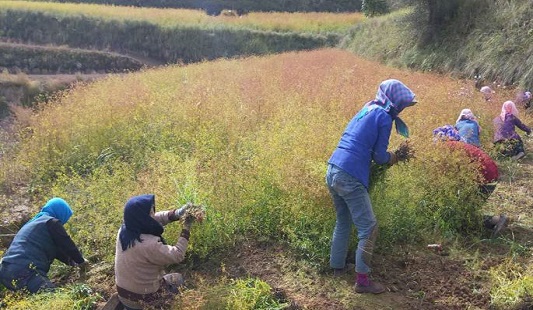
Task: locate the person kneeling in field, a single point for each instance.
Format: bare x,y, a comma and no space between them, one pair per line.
506,139
468,127
523,99
487,183
487,93
26,262
141,254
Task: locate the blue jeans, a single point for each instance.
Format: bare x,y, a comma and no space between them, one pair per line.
17,277
352,204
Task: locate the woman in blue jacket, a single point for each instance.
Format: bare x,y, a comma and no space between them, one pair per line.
26,262
366,138
468,127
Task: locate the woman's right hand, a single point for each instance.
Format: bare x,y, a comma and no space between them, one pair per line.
187,224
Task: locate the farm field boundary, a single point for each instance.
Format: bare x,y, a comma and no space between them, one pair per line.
169,43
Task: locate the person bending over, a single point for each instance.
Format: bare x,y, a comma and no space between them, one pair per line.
365,139
506,139
42,239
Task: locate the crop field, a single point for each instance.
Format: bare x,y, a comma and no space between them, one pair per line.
249,139
154,35
240,114
299,22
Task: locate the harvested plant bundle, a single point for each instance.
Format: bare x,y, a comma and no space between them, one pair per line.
198,212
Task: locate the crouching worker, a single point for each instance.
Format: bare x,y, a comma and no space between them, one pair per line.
487,183
26,262
142,254
506,139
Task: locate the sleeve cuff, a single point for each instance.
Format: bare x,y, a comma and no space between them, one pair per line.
172,216
393,158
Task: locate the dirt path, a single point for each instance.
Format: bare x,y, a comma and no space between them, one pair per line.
415,280
297,283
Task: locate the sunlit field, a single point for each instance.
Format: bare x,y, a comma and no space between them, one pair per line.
249,139
301,22
309,22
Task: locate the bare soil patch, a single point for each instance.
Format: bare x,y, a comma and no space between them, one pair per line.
415,279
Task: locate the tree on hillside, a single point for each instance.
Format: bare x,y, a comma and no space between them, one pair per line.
437,15
441,12
375,7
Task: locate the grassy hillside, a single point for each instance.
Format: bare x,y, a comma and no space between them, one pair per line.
249,139
495,41
168,36
168,18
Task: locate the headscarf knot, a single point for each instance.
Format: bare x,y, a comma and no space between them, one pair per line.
393,97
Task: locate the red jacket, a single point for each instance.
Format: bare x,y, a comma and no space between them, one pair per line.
489,169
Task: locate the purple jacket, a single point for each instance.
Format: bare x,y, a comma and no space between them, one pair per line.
504,130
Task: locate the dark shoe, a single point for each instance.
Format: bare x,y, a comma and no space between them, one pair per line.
373,287
518,156
339,272
501,225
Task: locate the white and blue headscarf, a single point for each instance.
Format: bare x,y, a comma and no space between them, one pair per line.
392,96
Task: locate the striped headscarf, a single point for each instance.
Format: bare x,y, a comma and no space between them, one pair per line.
392,96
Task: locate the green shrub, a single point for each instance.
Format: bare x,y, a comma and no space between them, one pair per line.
512,285
72,297
416,207
252,294
239,294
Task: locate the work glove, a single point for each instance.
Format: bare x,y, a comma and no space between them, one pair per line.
393,158
180,212
187,224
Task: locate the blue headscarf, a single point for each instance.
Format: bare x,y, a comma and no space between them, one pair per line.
392,96
137,221
56,208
